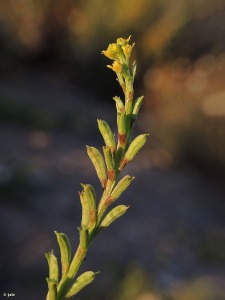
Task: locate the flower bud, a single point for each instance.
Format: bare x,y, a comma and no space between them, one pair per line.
115,48
107,134
137,106
127,50
109,52
121,186
133,149
117,67
65,251
99,164
85,218
53,266
114,214
122,41
136,146
89,194
113,51
88,203
119,104
82,281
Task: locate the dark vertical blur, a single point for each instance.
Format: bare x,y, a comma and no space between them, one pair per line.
53,86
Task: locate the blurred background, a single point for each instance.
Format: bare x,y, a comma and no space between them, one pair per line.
54,84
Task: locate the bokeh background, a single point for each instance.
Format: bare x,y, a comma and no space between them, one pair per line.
53,87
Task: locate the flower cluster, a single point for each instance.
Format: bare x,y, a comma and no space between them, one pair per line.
120,52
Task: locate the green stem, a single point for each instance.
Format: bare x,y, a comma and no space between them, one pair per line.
129,95
109,188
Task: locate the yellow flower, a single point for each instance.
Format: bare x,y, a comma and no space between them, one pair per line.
123,42
108,53
112,51
116,67
127,49
115,48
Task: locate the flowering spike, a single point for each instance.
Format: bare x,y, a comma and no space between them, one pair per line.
108,168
